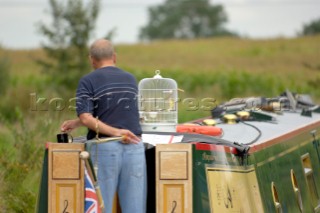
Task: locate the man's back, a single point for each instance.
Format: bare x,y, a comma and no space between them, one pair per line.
110,94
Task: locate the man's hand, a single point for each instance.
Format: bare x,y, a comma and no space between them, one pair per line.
128,136
70,125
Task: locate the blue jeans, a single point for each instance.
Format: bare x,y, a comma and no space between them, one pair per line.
122,169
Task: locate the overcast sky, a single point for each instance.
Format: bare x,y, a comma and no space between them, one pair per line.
252,18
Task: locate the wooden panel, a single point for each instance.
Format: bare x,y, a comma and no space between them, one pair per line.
174,178
173,198
65,178
66,164
179,170
116,205
66,197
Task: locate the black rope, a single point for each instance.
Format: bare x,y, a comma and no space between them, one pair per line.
257,129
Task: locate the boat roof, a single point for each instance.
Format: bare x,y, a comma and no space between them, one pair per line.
263,131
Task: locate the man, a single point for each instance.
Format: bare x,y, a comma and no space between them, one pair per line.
107,102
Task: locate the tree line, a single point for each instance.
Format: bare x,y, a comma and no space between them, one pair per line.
73,24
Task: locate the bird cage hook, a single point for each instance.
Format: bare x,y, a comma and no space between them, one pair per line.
157,72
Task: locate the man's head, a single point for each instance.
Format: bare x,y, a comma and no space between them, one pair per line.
102,54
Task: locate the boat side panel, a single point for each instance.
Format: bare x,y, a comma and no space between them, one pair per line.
42,201
274,164
233,189
216,155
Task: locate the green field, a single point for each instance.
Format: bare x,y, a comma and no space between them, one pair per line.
220,69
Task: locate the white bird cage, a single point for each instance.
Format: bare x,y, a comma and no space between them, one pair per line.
158,105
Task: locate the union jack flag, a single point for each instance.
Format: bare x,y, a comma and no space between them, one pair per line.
91,199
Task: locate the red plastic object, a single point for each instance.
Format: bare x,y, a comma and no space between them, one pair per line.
204,130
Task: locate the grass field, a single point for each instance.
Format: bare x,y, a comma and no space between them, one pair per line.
221,69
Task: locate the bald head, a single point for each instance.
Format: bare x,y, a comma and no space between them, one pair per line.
101,49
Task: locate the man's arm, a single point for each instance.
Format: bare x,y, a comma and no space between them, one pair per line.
92,123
